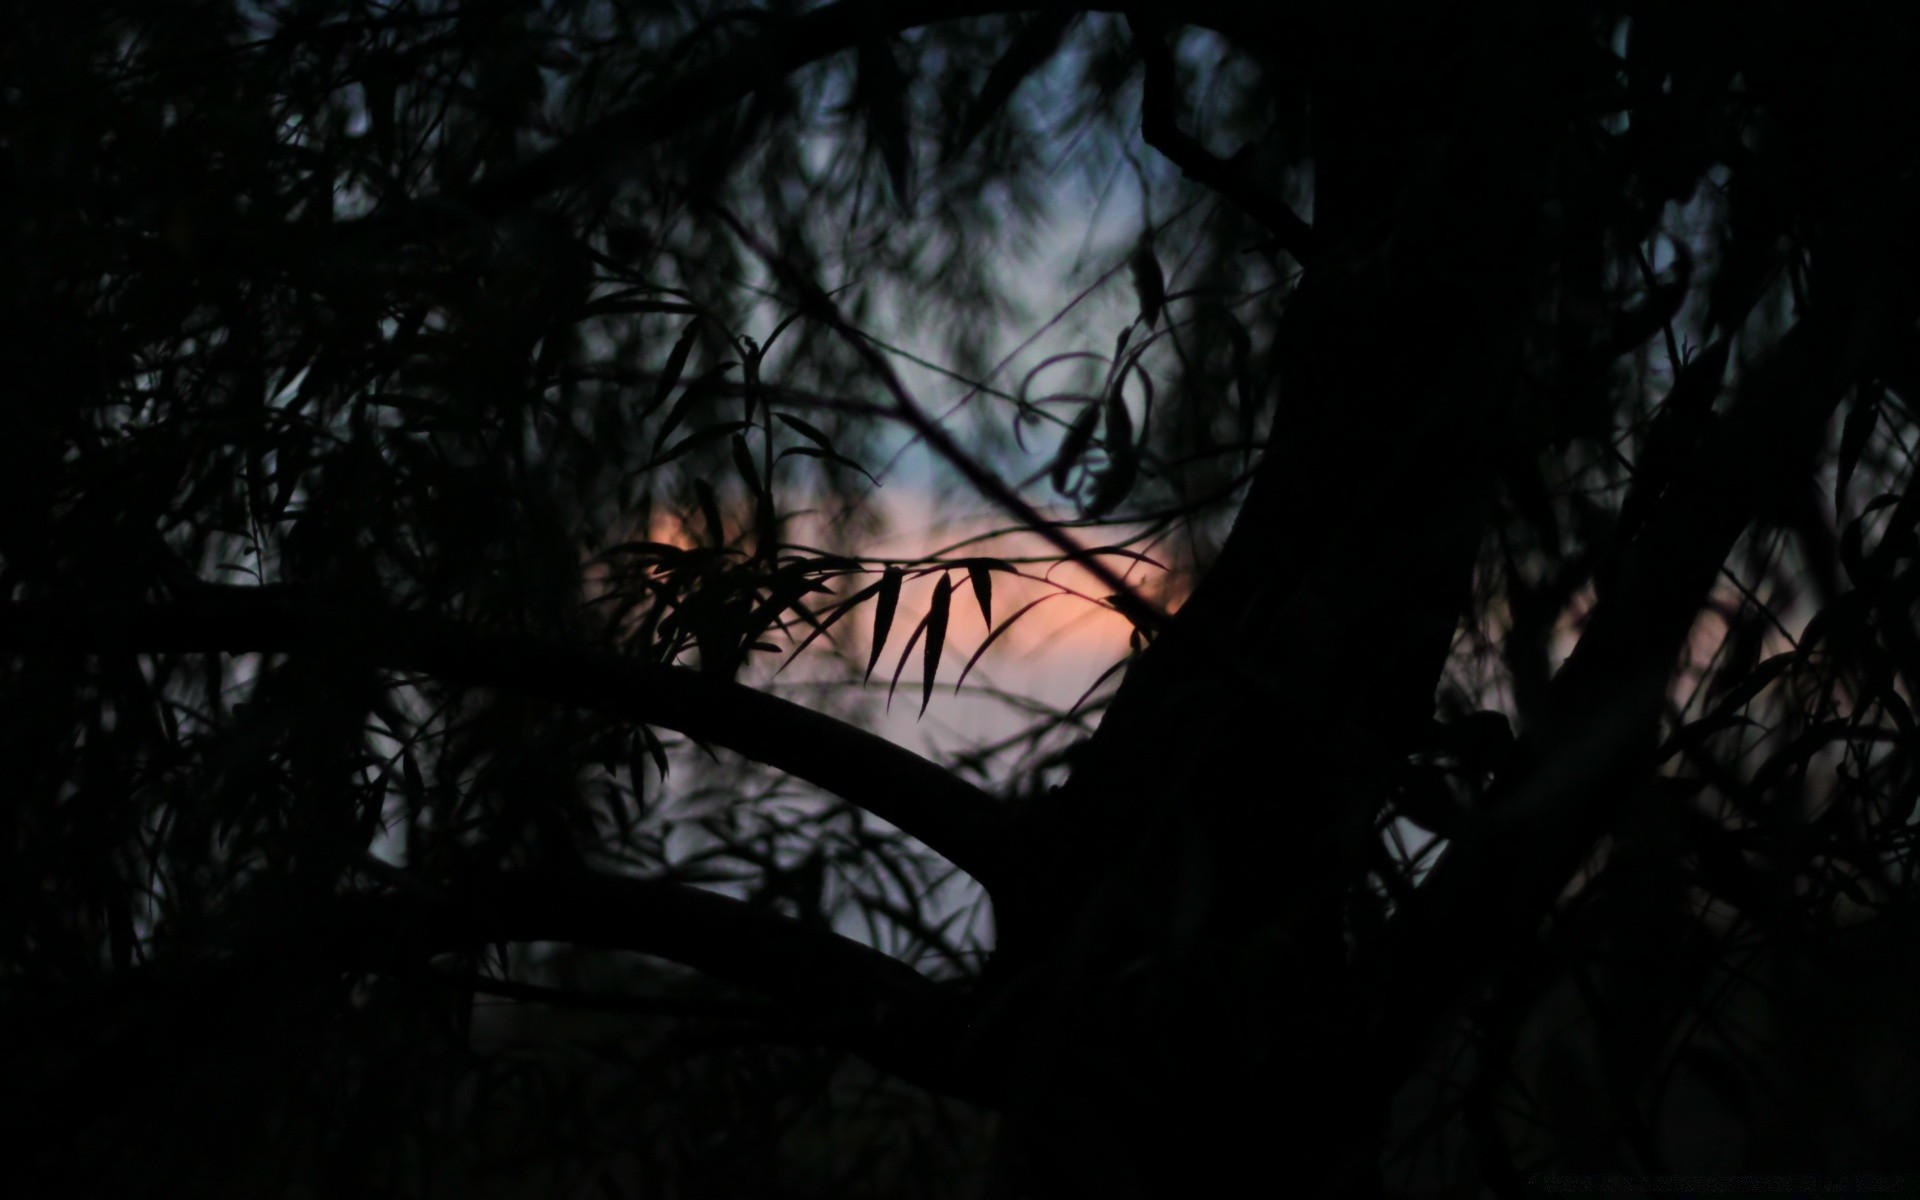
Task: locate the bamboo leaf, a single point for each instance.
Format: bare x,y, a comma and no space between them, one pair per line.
995,636
766,525
676,363
901,666
710,509
1119,418
981,576
1074,445
820,627
806,430
743,461
1149,283
712,433
1116,484
1123,465
936,636
679,411
829,457
888,603
994,564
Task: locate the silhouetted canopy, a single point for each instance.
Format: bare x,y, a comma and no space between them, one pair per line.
465,588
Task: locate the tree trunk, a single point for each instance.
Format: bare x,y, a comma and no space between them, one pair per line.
1189,965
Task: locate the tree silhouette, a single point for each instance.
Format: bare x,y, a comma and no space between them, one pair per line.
419,419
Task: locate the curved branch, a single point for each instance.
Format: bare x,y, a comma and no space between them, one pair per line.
954,818
815,985
855,996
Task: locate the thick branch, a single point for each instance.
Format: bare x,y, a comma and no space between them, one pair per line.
950,815
858,997
815,985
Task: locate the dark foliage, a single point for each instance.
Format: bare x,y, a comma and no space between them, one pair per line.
425,426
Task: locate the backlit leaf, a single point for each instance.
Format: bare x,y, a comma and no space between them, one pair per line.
981,577
680,409
820,627
829,457
743,461
805,430
712,433
1074,445
888,603
1149,283
901,666
710,509
1115,485
936,636
995,636
670,374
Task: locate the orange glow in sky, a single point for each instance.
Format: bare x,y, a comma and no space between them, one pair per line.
1052,653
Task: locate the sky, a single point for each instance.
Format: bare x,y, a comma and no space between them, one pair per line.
1063,645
